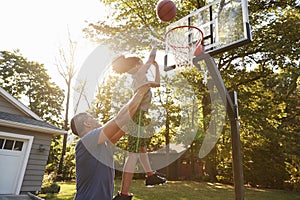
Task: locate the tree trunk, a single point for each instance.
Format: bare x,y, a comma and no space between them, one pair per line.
60,171
210,161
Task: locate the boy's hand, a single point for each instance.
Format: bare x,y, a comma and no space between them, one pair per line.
153,43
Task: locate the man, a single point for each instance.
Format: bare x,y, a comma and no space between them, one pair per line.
94,157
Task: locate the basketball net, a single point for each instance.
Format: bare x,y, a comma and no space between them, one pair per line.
184,42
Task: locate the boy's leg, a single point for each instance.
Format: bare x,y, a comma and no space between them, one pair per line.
152,178
128,172
129,166
145,161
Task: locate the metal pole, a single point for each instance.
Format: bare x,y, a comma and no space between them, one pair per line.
231,101
236,149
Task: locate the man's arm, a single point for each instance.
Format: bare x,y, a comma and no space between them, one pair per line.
114,126
115,138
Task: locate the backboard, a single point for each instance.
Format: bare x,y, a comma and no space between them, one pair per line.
224,24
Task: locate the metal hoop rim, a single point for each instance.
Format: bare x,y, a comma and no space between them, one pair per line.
185,26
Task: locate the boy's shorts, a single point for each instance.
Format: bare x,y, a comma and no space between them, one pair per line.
136,132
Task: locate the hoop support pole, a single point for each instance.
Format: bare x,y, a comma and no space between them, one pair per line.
166,67
230,100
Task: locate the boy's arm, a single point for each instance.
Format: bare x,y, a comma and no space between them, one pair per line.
157,73
114,126
151,58
156,82
152,55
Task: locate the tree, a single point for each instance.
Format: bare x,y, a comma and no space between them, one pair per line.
265,74
29,82
66,67
274,55
130,25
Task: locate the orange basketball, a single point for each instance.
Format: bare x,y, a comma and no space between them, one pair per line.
166,10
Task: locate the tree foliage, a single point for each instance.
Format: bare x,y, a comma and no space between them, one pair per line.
29,82
265,74
130,25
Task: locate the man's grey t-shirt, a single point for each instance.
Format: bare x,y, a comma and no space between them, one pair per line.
94,168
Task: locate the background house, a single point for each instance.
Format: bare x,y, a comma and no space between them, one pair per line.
182,166
25,141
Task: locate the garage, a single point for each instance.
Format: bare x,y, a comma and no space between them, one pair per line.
14,152
25,141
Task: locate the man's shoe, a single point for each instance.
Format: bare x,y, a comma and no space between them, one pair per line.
155,180
120,196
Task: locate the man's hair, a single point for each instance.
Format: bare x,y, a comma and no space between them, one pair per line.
77,122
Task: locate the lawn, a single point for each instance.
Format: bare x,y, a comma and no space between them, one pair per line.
183,190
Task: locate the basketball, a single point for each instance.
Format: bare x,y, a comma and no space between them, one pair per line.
166,10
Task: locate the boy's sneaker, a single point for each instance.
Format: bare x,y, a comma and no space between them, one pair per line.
155,180
120,196
159,174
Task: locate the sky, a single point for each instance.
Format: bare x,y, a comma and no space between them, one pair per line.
39,28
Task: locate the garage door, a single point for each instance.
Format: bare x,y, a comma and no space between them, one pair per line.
14,153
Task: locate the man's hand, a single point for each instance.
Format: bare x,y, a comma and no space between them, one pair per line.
155,64
141,91
131,107
112,130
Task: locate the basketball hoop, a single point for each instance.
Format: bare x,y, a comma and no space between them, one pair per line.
184,42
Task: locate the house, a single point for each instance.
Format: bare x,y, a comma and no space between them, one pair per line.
180,165
25,141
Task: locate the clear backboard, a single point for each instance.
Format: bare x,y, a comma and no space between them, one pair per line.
224,24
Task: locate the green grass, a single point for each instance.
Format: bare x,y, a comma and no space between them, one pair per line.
183,190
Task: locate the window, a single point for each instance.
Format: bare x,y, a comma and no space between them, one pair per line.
13,145
8,144
18,146
1,143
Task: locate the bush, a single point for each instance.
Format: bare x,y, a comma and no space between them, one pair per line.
52,189
49,185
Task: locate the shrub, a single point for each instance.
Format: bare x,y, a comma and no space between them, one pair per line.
52,188
49,185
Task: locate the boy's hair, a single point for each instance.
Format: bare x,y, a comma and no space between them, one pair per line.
122,65
77,122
